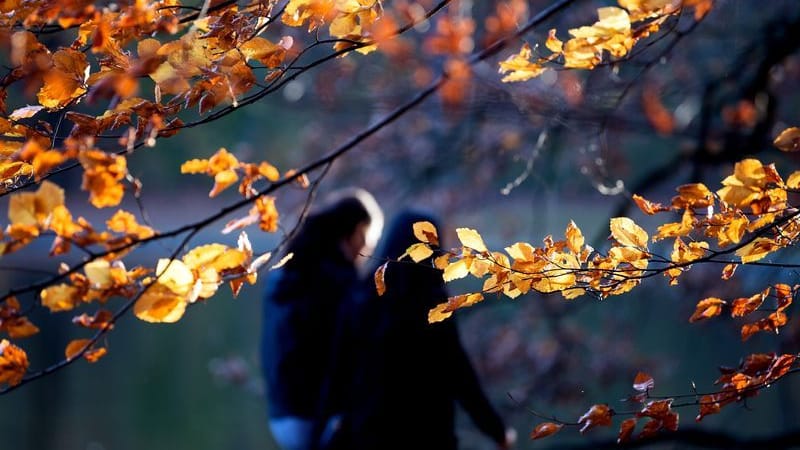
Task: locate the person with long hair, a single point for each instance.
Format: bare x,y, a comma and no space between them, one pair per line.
409,375
301,308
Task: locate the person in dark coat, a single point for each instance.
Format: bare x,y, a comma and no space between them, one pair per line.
301,307
410,374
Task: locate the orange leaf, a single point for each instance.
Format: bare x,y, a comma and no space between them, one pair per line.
13,363
788,140
61,297
95,354
647,206
627,233
709,404
545,429
75,347
597,415
784,293
743,306
643,382
426,232
101,320
780,367
380,274
707,308
626,430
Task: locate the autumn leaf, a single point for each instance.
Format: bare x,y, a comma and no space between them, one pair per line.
545,429
643,382
100,320
455,270
597,415
649,207
159,304
471,239
380,275
756,250
788,140
707,308
61,297
25,112
426,232
439,313
519,67
66,81
627,233
75,347
746,305
419,252
13,363
626,430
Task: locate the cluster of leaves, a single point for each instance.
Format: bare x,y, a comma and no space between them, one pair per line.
617,30
748,219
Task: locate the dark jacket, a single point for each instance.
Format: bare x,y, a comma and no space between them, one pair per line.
299,322
410,374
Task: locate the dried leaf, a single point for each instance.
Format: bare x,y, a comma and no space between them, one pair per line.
597,415
380,284
75,347
627,233
545,429
426,232
643,382
707,308
788,140
13,363
626,430
419,252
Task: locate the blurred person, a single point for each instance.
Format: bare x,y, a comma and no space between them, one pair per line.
301,307
407,375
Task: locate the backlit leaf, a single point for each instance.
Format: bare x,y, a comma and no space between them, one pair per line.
75,347
61,297
545,429
627,233
419,252
380,274
788,140
159,304
626,430
746,305
756,250
455,270
649,207
471,239
597,415
643,382
707,308
426,232
13,363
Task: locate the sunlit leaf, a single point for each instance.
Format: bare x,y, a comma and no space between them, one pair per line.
13,363
455,270
545,429
788,140
75,347
159,304
707,308
471,239
627,233
626,430
597,415
643,382
61,297
426,232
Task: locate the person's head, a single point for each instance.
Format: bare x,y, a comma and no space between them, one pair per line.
348,224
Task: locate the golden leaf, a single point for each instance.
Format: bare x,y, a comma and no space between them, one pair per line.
66,81
176,276
98,272
61,297
13,363
426,232
574,237
455,270
471,239
419,252
788,140
439,313
159,304
757,249
707,308
627,233
519,67
545,429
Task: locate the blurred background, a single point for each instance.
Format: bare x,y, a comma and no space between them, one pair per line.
515,161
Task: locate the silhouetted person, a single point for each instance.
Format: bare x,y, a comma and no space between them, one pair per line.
300,312
409,374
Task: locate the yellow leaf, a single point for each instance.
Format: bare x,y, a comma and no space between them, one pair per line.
62,297
574,237
756,250
98,272
627,233
419,251
439,313
222,180
175,276
519,67
159,304
793,182
426,232
455,270
65,81
471,239
553,43
788,140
